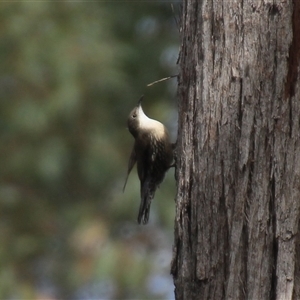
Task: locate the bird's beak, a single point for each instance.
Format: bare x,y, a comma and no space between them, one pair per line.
140,101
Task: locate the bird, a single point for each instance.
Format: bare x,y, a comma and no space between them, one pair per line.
153,153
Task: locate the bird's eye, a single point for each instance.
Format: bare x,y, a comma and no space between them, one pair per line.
134,116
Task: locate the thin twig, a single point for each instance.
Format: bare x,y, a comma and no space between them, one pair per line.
160,80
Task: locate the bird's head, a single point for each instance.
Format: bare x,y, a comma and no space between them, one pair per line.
135,117
138,122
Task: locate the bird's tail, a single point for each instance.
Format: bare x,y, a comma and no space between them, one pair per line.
147,194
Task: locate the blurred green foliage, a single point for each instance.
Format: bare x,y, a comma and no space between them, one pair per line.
70,74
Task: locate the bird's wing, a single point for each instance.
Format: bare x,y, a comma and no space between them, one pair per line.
132,161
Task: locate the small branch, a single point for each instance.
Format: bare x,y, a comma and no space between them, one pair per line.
160,80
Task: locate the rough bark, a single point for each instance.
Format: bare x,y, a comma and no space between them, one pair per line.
238,151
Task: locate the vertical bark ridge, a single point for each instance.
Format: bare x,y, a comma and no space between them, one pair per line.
294,53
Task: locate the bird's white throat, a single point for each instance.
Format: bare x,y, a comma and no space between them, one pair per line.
150,124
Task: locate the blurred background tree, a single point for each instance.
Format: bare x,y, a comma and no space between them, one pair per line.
70,74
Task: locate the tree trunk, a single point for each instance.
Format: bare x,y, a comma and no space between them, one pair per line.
238,151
